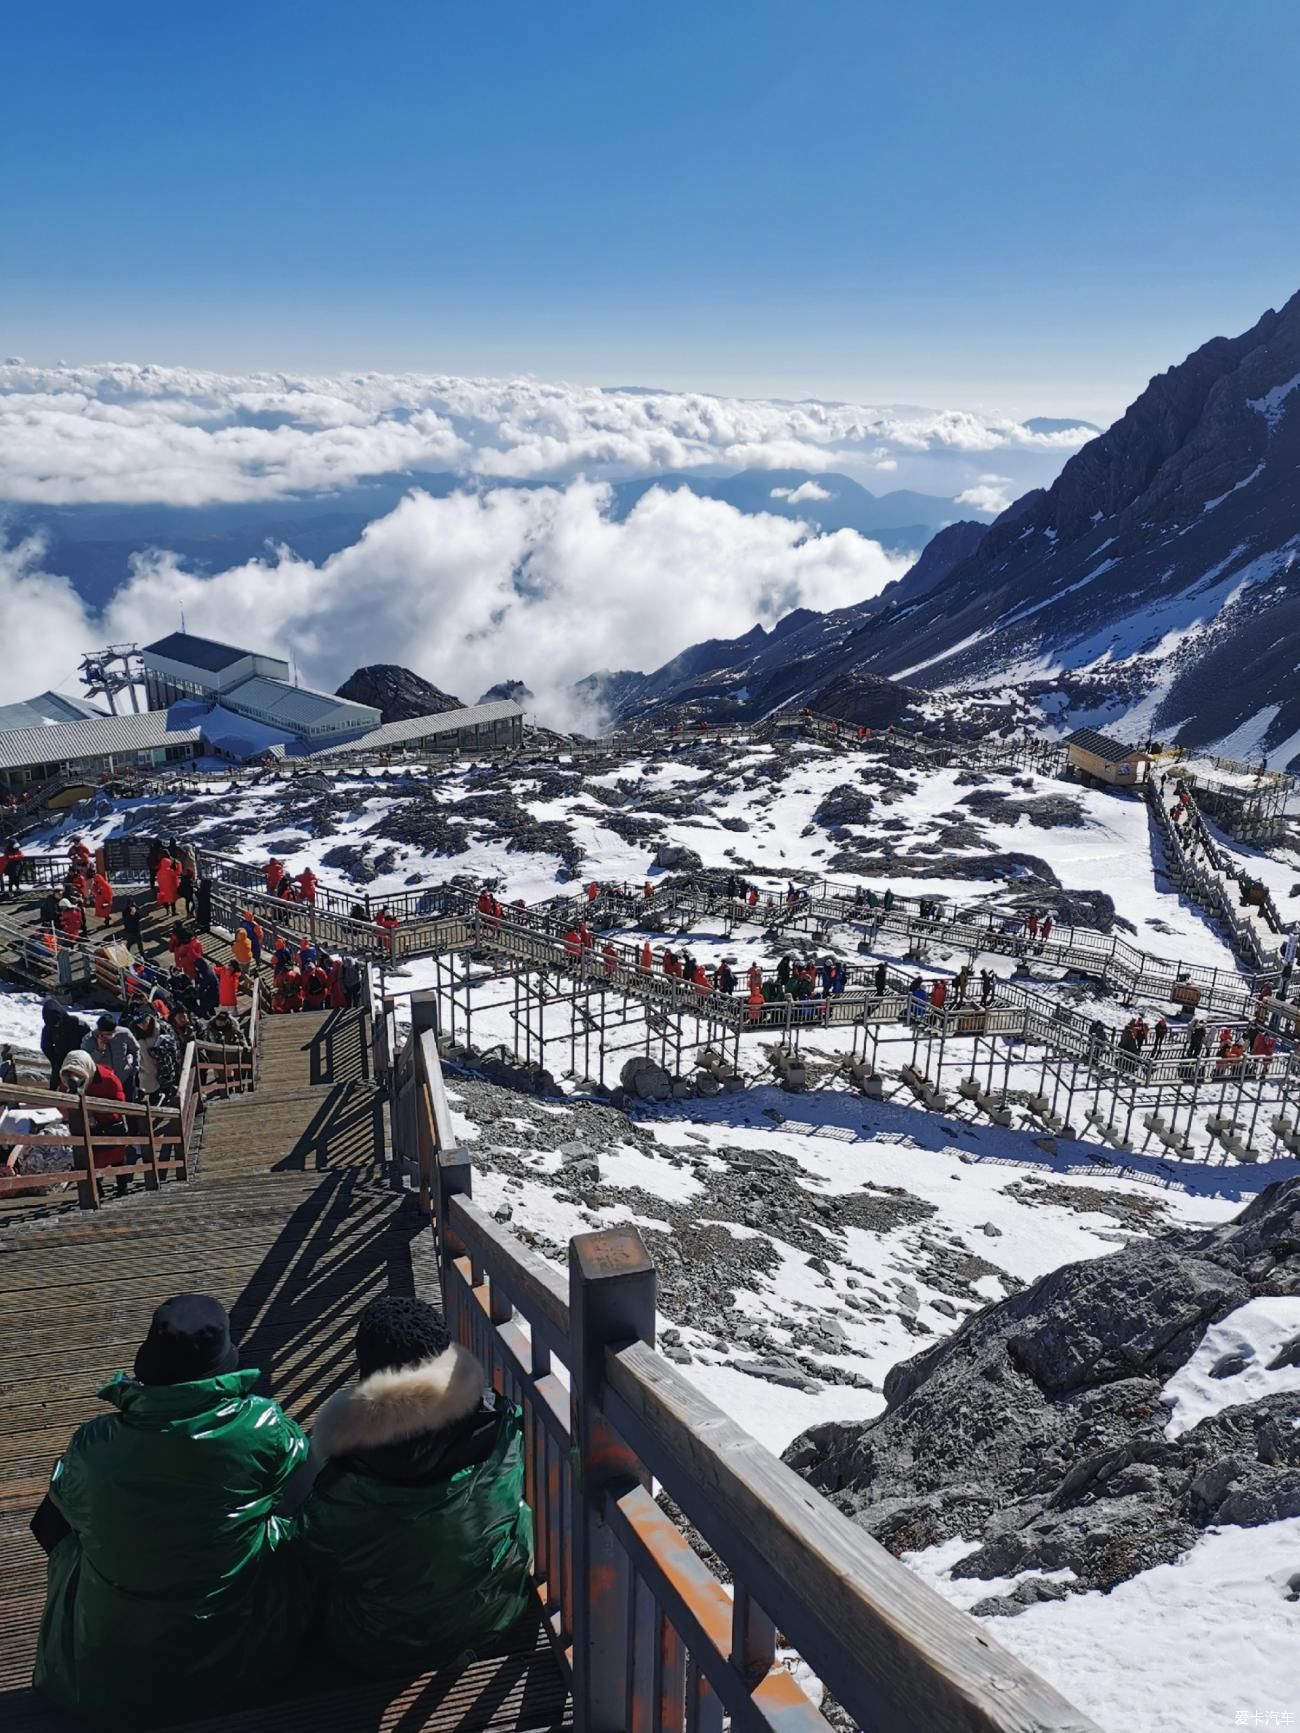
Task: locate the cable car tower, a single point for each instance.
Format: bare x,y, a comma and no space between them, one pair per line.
118,668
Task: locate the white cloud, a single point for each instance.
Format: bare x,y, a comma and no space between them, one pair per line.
989,494
806,493
45,624
538,584
122,432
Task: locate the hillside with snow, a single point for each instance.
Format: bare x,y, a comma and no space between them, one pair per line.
808,1244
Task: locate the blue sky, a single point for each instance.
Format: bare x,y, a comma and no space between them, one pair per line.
1029,206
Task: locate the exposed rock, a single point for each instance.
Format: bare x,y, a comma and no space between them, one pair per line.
1038,1426
396,693
1047,811
513,691
674,857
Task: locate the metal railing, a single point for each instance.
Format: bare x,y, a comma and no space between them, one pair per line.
650,1635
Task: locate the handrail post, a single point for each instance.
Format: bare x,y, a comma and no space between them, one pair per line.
451,1175
611,1304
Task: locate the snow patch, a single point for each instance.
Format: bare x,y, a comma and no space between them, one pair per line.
1271,404
1252,1335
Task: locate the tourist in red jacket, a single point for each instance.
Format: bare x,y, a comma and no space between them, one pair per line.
169,883
79,1075
13,869
315,987
102,895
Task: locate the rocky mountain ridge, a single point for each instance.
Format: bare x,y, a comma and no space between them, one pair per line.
1155,585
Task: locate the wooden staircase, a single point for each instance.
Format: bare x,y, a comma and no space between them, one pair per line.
287,1224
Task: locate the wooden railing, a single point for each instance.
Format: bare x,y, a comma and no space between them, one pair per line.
209,1070
158,1129
651,1636
226,1069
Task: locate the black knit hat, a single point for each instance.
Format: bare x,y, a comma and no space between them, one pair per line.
398,1331
189,1339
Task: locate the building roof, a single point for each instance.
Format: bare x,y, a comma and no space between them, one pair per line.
1102,746
296,707
45,708
423,727
203,653
63,741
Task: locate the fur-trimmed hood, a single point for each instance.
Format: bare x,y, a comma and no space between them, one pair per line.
391,1406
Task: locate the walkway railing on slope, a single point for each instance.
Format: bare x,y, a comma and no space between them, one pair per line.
53,963
535,939
1116,962
157,1129
209,1070
651,1637
1214,879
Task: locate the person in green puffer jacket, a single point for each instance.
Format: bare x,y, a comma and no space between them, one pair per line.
170,1587
415,1532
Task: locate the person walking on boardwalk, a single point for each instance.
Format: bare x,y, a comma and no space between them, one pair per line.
111,1043
130,915
168,880
61,1033
416,1533
288,990
13,871
167,1502
101,895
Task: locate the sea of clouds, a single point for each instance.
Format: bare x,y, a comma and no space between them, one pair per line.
542,583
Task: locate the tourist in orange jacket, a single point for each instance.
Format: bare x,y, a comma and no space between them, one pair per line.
102,894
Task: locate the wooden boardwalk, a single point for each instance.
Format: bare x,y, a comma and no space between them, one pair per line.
287,1224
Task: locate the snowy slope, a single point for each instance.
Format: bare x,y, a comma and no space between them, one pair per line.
806,1244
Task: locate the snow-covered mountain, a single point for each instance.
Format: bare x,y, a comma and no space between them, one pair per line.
1157,580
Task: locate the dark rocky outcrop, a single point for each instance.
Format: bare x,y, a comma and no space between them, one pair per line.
512,691
1038,1426
396,693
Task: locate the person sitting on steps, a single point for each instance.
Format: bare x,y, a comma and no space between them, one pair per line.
416,1533
168,1581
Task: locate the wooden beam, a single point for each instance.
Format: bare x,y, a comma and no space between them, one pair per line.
899,1658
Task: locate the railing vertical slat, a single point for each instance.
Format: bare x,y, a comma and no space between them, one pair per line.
642,1657
703,1709
670,1679
753,1636
611,1304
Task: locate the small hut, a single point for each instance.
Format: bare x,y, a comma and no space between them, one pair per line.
1094,754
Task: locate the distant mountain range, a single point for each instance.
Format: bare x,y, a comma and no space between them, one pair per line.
1154,587
902,521
93,544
